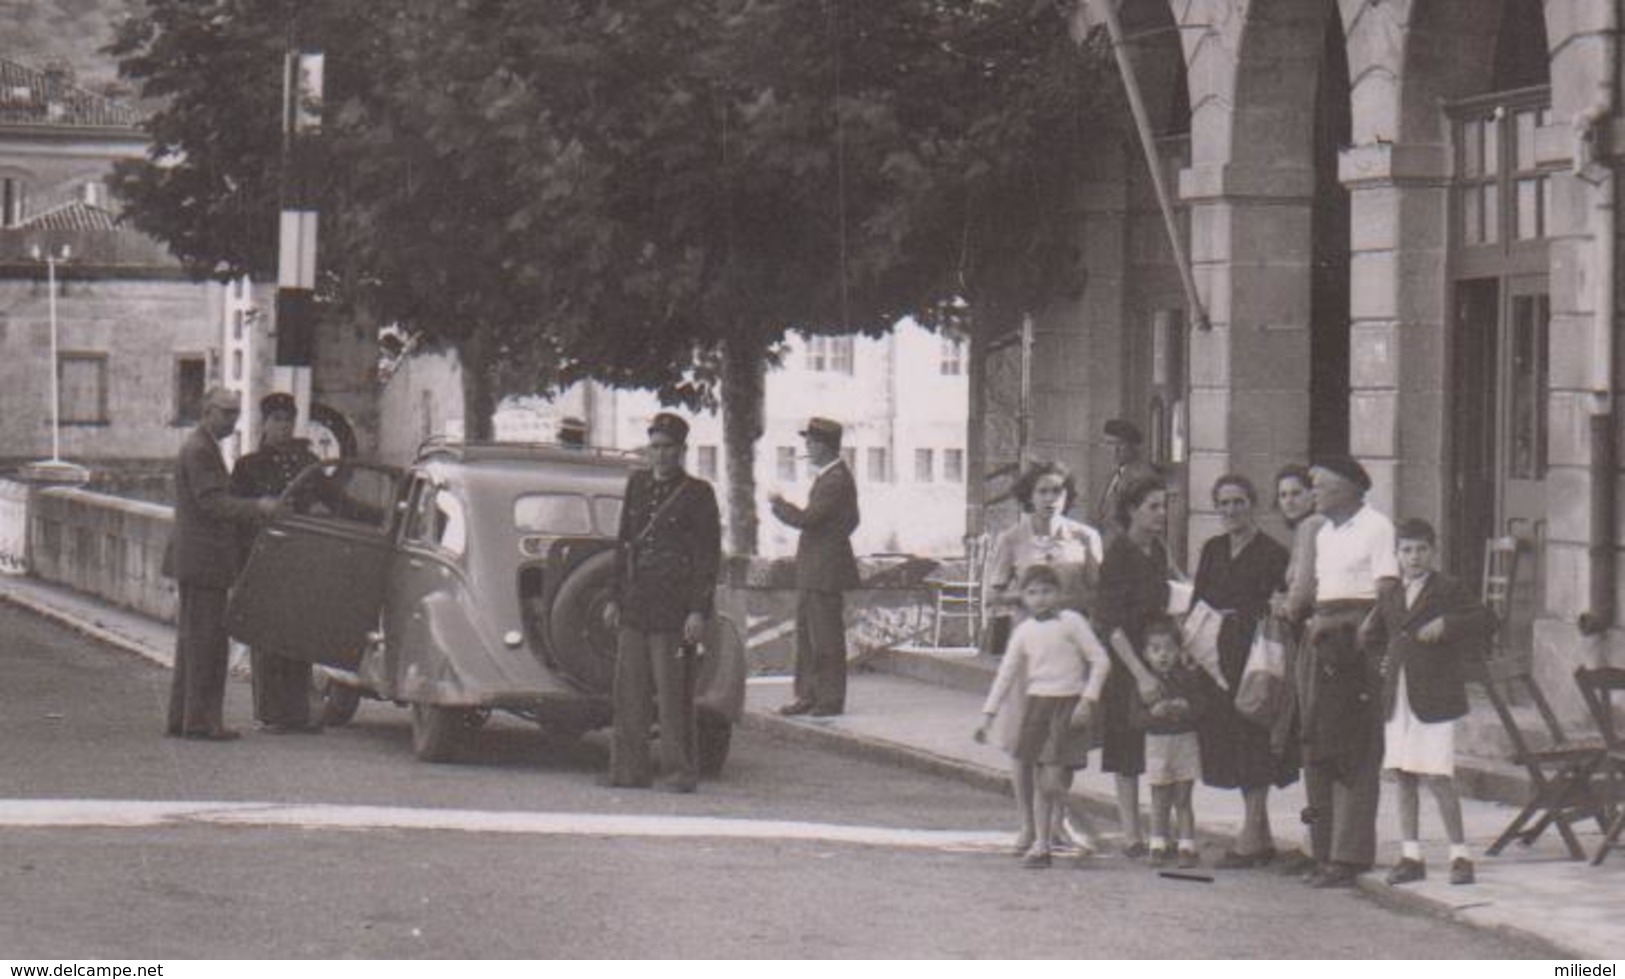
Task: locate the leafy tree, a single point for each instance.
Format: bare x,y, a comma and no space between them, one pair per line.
645,194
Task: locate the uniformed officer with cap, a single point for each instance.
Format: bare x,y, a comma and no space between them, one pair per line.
281,684
825,568
665,579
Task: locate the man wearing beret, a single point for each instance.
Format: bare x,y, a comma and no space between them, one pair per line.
665,578
825,567
281,684
1126,442
1342,720
203,559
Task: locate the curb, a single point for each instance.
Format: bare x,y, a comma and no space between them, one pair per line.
84,627
817,735
1396,899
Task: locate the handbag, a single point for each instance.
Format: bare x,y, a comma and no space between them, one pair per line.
1261,694
1201,628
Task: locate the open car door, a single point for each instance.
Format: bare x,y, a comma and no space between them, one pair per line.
314,583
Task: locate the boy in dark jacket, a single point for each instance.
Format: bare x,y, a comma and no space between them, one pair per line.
1428,633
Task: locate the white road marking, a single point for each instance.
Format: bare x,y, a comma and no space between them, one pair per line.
140,814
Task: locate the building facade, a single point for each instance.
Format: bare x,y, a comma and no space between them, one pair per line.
1402,218
137,341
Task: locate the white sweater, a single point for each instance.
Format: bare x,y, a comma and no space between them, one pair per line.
1057,657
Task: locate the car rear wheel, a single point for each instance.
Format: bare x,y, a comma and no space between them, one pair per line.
583,645
336,703
715,735
439,733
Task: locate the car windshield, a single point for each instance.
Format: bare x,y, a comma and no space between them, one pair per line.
553,513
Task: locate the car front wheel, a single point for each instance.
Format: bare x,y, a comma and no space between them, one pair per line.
439,733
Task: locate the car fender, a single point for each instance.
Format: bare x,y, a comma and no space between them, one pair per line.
720,687
453,659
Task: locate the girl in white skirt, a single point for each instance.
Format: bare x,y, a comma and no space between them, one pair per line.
1428,630
1055,657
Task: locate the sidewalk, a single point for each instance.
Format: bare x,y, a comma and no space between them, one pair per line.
1536,892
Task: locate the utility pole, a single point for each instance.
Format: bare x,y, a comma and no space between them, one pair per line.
296,256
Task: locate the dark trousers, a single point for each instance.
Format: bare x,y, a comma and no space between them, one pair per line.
281,689
197,690
651,672
1344,829
1343,738
821,650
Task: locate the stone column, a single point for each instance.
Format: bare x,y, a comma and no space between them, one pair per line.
1397,419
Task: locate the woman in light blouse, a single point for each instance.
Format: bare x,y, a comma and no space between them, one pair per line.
1044,535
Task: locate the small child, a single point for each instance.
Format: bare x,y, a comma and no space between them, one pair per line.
1427,632
1173,760
1057,659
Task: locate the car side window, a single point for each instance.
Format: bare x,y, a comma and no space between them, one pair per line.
606,513
345,493
562,514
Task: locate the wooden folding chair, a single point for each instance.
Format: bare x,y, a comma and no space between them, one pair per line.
1561,771
959,596
1598,686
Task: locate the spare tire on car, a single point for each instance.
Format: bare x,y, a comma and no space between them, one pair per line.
583,645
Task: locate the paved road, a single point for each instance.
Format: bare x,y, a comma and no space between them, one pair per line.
541,862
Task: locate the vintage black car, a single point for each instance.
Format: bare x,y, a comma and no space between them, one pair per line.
475,580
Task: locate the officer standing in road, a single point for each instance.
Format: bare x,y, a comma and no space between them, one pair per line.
281,684
665,580
825,567
202,557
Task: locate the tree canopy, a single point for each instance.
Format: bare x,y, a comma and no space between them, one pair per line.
646,194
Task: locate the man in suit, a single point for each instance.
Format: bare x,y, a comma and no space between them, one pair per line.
281,684
1426,634
825,567
665,579
1126,442
203,558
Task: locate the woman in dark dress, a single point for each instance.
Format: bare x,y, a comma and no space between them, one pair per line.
1133,587
1240,571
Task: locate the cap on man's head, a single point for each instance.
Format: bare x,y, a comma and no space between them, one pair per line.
670,425
1347,467
572,425
1124,431
279,403
219,397
824,430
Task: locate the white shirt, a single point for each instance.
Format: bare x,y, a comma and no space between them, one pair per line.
1058,657
1352,556
1413,589
826,467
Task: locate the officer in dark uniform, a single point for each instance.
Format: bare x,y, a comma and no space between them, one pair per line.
281,684
665,576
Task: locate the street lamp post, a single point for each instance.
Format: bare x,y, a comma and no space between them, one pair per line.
55,470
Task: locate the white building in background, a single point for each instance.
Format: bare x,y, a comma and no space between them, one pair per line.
903,399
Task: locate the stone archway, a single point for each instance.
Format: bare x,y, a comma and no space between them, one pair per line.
1253,67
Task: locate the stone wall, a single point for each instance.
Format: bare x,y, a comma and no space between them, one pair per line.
141,326
104,546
